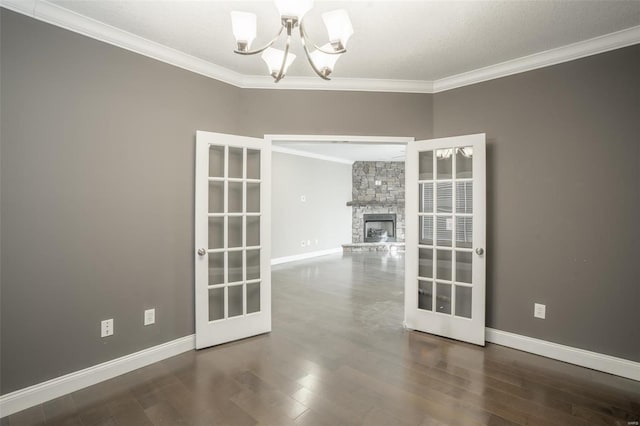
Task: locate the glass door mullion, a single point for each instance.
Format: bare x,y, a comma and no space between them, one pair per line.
453,230
244,230
226,231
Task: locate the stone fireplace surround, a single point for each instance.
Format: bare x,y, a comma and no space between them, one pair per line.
377,187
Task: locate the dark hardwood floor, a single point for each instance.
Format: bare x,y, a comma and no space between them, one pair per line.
338,355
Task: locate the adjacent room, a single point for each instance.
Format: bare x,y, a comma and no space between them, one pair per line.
319,213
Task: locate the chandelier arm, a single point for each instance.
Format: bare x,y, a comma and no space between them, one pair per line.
280,75
254,52
306,52
305,37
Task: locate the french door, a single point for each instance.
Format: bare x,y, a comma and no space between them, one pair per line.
445,237
232,238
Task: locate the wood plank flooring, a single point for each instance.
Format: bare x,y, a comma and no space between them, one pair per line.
338,355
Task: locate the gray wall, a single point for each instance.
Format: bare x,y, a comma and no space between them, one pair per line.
324,216
563,198
97,188
336,113
97,197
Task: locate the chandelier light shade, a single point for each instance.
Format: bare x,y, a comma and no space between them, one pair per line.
244,26
325,62
322,59
274,59
339,27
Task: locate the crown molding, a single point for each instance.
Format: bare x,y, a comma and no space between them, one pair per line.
53,14
56,15
341,84
593,46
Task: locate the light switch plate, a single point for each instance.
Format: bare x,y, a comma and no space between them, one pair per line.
539,310
149,316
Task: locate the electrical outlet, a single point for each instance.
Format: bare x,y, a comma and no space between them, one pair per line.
316,241
303,198
106,328
302,243
149,316
539,311
309,242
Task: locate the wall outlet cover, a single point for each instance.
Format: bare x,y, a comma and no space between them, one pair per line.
106,327
303,198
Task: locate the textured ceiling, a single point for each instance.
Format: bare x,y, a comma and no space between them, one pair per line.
402,40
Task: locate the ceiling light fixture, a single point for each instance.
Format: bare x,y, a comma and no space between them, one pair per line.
322,59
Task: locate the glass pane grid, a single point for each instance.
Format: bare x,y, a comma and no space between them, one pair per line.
451,173
236,171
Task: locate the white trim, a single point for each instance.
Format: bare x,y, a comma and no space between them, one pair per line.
54,388
581,49
347,138
337,83
53,14
295,257
283,150
596,361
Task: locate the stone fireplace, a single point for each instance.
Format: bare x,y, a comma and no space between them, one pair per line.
377,193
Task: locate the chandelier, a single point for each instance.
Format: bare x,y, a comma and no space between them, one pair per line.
322,59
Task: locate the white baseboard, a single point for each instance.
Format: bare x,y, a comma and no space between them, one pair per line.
54,388
303,256
608,364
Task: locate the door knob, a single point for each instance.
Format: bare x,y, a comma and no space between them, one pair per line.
202,252
479,251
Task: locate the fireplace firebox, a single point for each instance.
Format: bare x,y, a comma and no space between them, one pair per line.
379,228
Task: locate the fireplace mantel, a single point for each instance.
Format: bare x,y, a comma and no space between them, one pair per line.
375,204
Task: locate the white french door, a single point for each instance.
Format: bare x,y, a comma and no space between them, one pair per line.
445,237
232,238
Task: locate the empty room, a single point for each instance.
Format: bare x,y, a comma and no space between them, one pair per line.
288,212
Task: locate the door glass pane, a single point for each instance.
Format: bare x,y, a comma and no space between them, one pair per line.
463,301
425,203
253,164
463,266
425,263
445,197
235,232
216,303
444,230
216,268
425,165
464,162
464,197
253,264
444,163
235,266
235,162
235,300
216,161
253,198
253,297
253,231
425,295
443,298
216,197
443,265
426,230
464,232
235,197
216,232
